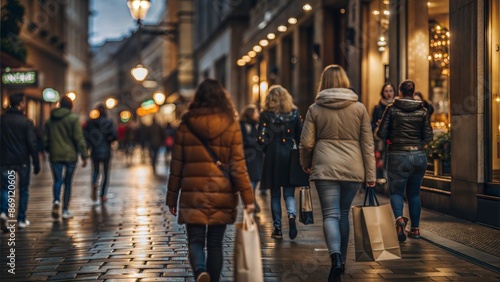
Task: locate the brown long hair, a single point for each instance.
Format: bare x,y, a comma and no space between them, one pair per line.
211,94
247,113
333,76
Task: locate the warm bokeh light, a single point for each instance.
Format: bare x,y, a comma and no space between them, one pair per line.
94,114
125,115
240,62
159,98
111,103
307,7
263,43
257,48
271,36
139,8
168,109
247,58
282,28
252,54
71,95
139,72
255,78
292,20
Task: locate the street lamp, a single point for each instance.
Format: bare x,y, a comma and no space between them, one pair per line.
138,10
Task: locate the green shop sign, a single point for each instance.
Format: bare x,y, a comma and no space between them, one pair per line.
19,78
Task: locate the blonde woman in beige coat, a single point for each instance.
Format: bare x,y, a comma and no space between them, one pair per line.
336,149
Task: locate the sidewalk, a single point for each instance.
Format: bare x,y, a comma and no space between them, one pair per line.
133,238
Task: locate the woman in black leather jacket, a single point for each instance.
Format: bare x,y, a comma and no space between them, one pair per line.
406,125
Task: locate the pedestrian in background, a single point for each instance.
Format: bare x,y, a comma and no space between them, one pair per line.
249,121
406,125
208,201
387,97
419,97
130,140
169,140
336,149
279,132
141,137
18,143
100,132
156,136
63,139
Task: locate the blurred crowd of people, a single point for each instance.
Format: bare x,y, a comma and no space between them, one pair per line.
214,153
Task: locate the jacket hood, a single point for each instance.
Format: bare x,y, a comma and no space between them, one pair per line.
408,105
207,123
336,98
59,113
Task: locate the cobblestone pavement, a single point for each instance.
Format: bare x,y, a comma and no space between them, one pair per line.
133,238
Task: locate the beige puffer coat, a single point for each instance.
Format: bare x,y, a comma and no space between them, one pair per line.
206,195
337,140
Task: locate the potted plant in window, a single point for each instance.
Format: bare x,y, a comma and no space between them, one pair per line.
439,152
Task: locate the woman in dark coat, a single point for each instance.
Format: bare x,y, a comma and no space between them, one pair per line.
249,120
279,131
387,95
198,190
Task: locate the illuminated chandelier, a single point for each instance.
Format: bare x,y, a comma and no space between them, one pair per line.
439,56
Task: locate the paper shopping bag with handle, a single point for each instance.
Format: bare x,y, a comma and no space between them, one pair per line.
375,236
247,256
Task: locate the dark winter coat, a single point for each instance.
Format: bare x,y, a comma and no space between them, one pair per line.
18,139
156,135
99,134
406,123
254,155
278,133
63,136
206,195
377,113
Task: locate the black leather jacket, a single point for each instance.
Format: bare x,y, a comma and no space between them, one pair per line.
406,123
18,139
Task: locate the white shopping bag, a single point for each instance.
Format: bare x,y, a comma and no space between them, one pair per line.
247,256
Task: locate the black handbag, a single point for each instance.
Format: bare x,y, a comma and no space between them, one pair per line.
298,177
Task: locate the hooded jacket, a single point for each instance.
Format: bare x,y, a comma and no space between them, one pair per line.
100,133
18,139
63,136
337,140
406,123
205,195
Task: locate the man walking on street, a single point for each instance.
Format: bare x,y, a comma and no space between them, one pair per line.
18,142
63,139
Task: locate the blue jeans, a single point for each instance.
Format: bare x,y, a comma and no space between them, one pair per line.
197,233
406,170
57,175
336,199
24,182
95,175
291,206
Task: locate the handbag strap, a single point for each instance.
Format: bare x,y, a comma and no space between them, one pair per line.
211,152
371,197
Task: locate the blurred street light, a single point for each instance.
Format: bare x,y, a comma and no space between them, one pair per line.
159,98
111,103
138,8
139,72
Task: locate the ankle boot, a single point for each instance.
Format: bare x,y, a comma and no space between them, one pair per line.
336,269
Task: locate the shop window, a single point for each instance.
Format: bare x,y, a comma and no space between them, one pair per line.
493,48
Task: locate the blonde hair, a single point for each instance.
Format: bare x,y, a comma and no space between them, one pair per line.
333,76
278,100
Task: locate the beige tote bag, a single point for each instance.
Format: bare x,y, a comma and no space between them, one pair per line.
247,256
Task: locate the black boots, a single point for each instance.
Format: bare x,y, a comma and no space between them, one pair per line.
336,269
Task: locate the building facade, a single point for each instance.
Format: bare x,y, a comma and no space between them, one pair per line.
54,35
449,48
